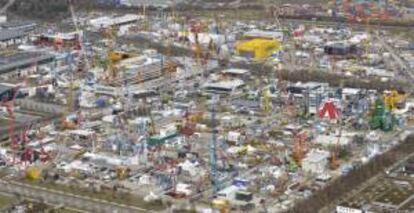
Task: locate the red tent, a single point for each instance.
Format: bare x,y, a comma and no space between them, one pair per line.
329,110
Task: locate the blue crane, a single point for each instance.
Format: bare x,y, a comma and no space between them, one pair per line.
212,147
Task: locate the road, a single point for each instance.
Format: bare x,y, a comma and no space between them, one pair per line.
401,62
66,199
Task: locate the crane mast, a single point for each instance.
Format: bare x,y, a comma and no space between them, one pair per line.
213,147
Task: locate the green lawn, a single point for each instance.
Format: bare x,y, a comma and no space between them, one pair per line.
5,201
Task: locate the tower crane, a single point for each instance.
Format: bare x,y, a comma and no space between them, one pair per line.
9,104
169,67
213,147
111,72
299,147
145,109
266,101
67,123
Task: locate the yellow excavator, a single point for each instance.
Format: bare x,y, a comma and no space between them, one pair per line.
122,172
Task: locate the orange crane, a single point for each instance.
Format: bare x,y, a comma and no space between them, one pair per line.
335,154
299,148
169,67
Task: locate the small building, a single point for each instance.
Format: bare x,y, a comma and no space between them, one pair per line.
234,72
142,68
341,48
106,21
26,26
69,39
12,37
347,209
223,87
316,162
24,63
6,92
269,35
3,19
258,49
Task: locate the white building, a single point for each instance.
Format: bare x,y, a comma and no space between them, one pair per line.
24,63
12,37
3,19
345,209
223,87
106,21
316,161
264,34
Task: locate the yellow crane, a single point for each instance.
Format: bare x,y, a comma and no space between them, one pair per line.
266,101
147,109
66,122
169,67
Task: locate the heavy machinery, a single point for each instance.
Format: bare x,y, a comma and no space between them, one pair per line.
381,118
393,99
299,147
111,55
169,66
68,121
33,173
223,205
8,103
214,176
335,153
122,172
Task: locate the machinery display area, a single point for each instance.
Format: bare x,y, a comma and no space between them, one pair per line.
149,108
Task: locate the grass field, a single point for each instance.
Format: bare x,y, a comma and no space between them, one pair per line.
6,201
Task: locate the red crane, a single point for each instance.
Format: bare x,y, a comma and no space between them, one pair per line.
27,152
9,104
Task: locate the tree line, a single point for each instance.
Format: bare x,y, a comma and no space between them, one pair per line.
343,185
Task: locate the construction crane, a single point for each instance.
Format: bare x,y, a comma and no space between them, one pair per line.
110,56
43,156
27,154
299,148
9,104
67,122
78,32
169,67
335,153
334,6
393,99
145,108
213,147
145,24
266,101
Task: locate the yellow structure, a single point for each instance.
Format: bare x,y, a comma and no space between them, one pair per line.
392,98
222,205
118,55
33,173
258,49
122,172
